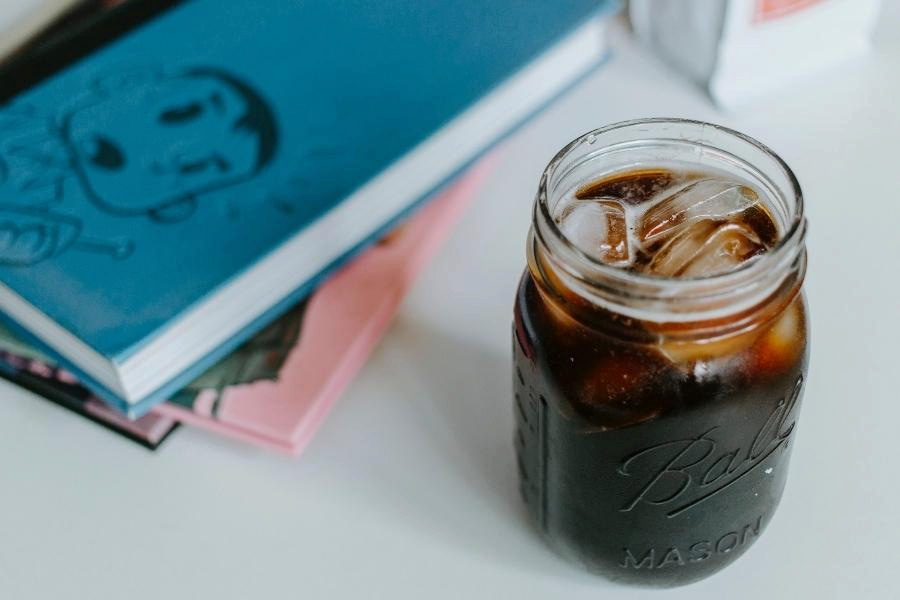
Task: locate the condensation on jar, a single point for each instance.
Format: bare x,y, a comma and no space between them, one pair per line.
657,399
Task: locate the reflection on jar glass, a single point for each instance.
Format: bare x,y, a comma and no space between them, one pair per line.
660,347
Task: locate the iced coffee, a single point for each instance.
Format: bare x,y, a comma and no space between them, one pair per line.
660,348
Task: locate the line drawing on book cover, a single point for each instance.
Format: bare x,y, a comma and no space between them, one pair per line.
140,143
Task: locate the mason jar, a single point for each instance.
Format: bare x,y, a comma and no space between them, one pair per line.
655,415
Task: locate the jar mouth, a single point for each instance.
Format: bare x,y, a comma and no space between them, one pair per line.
693,297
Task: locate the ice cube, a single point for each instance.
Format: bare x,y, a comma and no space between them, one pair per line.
704,248
689,355
780,347
703,199
624,386
598,228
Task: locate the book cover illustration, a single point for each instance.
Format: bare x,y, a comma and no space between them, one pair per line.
175,136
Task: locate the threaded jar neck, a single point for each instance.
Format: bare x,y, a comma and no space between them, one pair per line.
728,301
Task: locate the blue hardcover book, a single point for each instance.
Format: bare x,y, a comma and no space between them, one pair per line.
176,174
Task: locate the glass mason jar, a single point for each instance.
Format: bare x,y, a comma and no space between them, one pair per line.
655,415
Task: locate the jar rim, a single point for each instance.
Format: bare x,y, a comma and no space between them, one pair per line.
637,287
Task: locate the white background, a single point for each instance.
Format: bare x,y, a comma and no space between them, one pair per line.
409,489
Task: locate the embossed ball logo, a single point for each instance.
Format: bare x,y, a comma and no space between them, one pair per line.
680,474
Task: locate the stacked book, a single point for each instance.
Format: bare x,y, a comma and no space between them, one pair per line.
211,209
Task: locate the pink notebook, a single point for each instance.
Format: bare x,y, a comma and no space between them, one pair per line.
275,390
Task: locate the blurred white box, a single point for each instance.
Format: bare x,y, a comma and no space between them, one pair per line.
741,49
21,19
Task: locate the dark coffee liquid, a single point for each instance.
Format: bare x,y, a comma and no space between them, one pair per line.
648,461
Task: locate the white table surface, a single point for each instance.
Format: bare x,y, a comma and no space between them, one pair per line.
409,489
